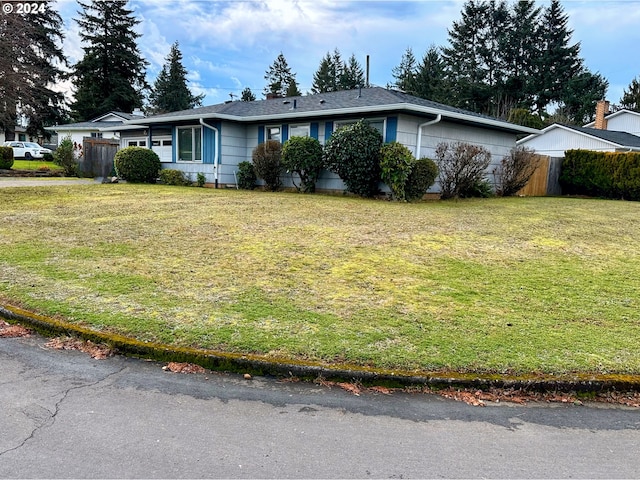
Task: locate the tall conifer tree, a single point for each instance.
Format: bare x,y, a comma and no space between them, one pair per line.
281,82
170,92
31,58
631,96
559,61
111,75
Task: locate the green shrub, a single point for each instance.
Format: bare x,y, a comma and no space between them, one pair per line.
201,179
303,155
48,157
246,176
479,189
174,177
6,158
267,163
462,168
422,176
601,174
65,157
353,152
515,170
396,164
137,164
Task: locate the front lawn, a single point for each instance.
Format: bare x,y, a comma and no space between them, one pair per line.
517,285
35,165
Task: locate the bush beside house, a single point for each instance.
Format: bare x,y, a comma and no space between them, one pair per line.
6,158
267,163
303,156
137,165
601,174
353,152
65,157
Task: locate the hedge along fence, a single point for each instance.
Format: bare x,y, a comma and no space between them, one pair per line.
601,174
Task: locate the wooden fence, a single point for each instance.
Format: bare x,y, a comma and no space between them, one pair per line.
97,157
545,180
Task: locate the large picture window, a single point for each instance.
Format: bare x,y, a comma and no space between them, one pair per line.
190,144
303,130
378,124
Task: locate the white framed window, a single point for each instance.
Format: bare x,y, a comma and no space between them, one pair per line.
274,132
377,123
136,142
302,130
189,146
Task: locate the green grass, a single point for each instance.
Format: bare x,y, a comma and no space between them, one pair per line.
517,285
35,165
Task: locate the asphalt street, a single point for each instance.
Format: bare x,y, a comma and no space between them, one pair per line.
65,415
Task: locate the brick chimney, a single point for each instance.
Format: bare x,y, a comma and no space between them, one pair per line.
602,109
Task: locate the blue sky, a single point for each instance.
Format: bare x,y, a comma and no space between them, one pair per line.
228,45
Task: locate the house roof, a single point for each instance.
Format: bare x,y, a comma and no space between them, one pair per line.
618,139
623,111
342,103
96,124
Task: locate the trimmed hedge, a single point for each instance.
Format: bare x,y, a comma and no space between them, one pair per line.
422,176
601,174
6,158
137,165
354,153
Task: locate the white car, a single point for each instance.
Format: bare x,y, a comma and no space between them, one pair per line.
27,150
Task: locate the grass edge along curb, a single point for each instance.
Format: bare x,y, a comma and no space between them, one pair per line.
261,365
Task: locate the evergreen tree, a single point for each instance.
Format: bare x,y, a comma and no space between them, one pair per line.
520,52
430,77
281,81
352,75
324,79
111,75
559,61
580,96
30,60
247,95
170,92
465,65
631,98
405,73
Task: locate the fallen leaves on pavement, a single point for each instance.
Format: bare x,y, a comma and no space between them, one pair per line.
177,367
96,351
13,331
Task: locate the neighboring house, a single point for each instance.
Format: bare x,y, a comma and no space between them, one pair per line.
93,128
620,121
214,139
557,139
615,132
20,135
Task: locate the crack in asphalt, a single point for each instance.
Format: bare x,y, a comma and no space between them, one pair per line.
52,415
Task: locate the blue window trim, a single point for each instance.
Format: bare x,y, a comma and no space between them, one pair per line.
313,130
328,130
260,134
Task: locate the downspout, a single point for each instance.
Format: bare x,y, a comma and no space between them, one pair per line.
215,150
420,127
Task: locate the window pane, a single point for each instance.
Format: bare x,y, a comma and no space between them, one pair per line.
273,133
299,131
197,133
185,144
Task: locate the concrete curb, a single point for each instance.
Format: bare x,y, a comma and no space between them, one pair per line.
281,367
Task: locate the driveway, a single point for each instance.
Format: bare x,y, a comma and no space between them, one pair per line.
43,182
65,415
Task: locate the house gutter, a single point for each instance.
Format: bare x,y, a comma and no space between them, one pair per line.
420,127
215,149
